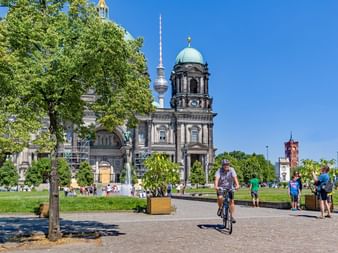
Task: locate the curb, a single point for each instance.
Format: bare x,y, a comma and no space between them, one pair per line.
276,205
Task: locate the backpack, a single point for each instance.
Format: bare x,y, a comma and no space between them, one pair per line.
328,187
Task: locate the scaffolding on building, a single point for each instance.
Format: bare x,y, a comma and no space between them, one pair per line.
139,162
75,152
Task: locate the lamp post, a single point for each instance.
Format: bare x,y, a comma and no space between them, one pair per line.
267,153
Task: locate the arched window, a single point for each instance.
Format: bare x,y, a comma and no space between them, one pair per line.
194,134
162,134
193,86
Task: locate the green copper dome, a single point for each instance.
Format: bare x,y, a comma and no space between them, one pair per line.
189,55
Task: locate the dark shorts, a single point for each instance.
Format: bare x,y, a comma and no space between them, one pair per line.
322,195
254,194
294,198
231,194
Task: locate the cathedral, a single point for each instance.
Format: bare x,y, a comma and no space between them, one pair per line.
184,131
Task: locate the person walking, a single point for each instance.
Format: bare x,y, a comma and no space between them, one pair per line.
254,187
293,190
320,182
299,180
226,178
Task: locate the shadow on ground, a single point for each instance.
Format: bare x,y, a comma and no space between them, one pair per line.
217,227
14,228
304,216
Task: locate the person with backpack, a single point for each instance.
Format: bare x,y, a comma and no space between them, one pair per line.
323,182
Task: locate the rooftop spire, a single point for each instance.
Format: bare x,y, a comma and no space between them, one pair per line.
161,84
161,63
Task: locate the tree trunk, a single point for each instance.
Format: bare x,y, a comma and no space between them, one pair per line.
54,232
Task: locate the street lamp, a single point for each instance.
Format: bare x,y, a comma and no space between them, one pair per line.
267,152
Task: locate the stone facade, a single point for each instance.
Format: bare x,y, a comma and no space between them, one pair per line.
184,132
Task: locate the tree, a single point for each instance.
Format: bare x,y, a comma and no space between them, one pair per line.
246,166
197,175
85,176
160,172
53,53
8,175
39,172
308,166
64,172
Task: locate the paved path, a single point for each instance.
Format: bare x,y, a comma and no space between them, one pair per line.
194,227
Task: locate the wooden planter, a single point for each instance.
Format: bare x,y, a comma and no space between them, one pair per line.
44,210
312,203
159,205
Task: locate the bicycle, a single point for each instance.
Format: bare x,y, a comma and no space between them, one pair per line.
226,214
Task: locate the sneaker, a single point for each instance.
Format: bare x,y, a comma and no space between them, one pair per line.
219,212
233,220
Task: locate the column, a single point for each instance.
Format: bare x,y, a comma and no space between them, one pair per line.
188,166
149,137
136,136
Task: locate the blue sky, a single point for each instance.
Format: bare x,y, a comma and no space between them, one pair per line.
273,65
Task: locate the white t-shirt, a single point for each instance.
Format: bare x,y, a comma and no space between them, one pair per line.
226,178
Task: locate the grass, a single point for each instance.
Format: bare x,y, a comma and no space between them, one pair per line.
265,194
26,202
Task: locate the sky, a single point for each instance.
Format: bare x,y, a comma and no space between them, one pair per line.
273,66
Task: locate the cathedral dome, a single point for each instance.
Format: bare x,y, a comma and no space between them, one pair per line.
103,11
189,55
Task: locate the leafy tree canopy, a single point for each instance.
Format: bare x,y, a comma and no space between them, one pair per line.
54,52
308,166
8,175
197,175
85,176
39,172
246,166
160,172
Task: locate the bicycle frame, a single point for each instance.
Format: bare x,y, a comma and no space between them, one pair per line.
226,214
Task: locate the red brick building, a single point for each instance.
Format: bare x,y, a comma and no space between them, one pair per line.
291,152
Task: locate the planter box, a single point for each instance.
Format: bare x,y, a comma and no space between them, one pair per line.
44,210
159,205
312,203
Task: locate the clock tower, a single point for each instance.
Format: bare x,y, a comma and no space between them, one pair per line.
190,80
292,152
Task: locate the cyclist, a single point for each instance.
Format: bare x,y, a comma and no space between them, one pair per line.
226,178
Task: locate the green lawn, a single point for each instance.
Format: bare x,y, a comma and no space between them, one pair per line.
26,202
265,194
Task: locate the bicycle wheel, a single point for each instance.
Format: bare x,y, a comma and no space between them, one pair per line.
225,217
227,220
